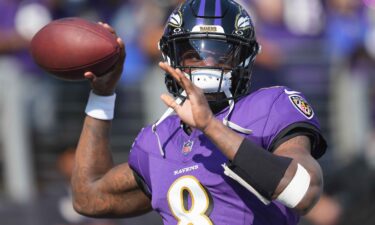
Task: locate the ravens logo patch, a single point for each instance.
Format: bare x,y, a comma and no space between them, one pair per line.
302,106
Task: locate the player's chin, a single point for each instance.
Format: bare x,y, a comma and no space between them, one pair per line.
215,97
216,101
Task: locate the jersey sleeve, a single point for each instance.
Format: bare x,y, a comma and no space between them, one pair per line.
139,162
291,115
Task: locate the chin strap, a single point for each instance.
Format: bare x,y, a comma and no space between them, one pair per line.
167,113
228,123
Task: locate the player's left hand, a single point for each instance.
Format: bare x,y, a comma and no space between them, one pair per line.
195,111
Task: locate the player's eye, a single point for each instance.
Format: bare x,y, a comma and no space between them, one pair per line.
194,56
191,58
223,60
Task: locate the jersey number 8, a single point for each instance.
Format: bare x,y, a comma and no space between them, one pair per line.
201,204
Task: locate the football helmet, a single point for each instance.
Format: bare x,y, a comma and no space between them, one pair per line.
213,42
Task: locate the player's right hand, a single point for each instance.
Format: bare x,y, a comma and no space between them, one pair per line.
195,111
106,84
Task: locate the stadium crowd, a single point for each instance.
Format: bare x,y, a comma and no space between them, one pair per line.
325,48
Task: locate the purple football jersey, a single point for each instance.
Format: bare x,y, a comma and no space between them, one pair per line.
188,185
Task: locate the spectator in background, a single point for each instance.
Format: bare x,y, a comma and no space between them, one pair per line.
94,10
349,186
327,211
290,48
23,95
267,68
347,27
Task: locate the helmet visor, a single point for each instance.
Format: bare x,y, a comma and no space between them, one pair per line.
208,53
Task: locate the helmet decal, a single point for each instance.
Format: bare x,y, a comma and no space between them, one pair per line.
218,12
208,28
175,20
243,22
201,8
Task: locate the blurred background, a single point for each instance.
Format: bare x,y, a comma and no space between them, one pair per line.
324,48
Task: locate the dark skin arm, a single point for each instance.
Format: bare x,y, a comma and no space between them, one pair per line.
101,189
196,113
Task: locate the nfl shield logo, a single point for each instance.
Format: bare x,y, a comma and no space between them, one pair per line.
188,145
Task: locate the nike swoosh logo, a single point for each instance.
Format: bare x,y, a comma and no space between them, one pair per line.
291,92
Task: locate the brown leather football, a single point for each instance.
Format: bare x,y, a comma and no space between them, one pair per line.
69,47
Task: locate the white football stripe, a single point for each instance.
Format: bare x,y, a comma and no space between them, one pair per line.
291,92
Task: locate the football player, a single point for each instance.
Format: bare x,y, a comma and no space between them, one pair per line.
226,156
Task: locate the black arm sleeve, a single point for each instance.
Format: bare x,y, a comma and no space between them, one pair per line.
259,168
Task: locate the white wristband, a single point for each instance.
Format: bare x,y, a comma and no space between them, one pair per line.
101,107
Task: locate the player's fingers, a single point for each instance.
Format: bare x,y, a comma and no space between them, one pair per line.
108,27
120,42
89,75
177,76
170,102
170,71
181,79
186,83
122,47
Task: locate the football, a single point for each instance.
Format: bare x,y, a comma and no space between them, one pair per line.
69,47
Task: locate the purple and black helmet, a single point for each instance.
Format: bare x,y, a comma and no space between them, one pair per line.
220,29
